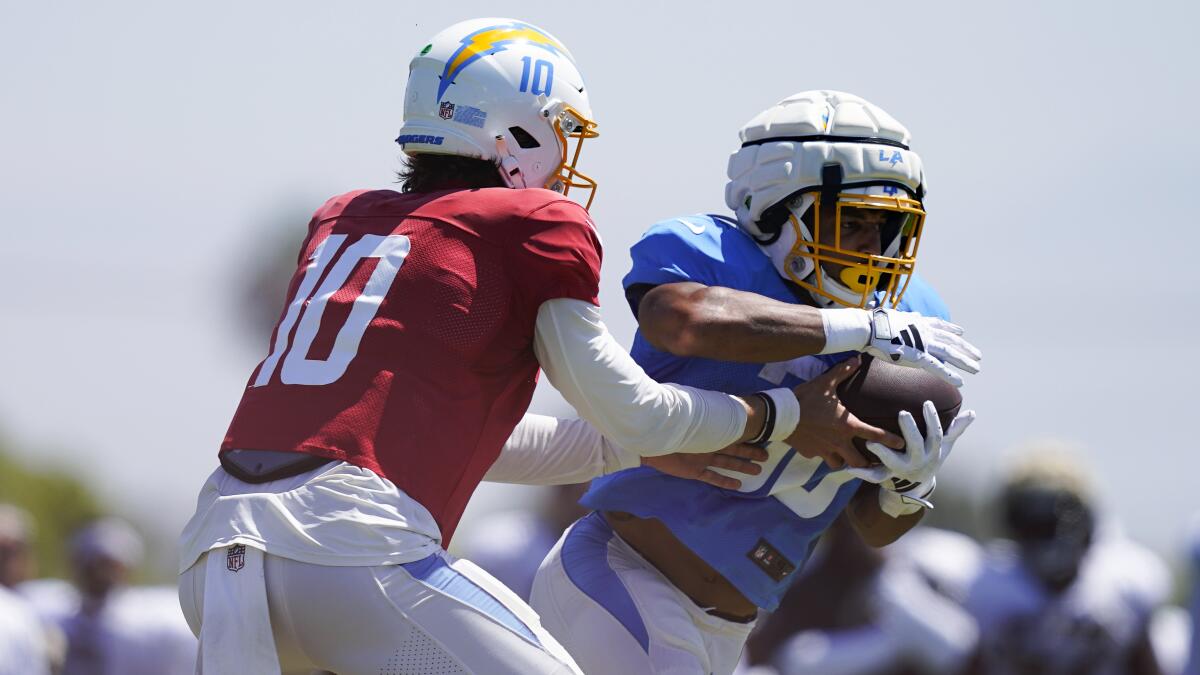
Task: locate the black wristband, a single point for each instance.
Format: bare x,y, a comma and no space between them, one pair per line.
768,421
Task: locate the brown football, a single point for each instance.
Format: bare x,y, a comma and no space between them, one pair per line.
878,391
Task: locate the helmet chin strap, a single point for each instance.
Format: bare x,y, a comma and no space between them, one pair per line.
510,168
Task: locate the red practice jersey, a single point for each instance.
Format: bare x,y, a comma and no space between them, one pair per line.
406,346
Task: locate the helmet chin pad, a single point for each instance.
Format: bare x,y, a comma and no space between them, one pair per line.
858,280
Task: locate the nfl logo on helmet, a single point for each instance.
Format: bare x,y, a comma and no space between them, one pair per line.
446,110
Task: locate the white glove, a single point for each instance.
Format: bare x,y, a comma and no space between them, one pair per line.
912,470
910,339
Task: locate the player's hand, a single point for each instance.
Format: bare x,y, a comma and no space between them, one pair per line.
910,339
922,456
827,429
699,466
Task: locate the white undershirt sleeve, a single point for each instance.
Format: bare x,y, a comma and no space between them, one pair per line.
597,376
553,451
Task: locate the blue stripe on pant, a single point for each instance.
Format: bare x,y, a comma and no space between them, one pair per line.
436,572
585,560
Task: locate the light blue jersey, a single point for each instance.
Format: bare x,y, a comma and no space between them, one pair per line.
759,536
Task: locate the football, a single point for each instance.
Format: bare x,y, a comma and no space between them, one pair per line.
878,391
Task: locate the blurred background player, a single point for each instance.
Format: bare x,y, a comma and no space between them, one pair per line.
1064,592
1071,594
408,351
24,648
862,611
668,576
109,626
841,617
17,564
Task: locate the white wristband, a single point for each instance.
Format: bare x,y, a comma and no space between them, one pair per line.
897,504
787,412
846,330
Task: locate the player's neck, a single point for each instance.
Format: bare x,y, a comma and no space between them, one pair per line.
450,184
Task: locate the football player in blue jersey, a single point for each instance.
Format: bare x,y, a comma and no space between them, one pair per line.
668,575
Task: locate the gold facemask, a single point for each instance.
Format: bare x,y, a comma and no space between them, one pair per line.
572,125
849,277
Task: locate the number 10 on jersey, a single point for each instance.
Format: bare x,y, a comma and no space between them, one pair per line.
307,307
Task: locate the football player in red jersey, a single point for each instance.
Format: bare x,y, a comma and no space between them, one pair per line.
399,374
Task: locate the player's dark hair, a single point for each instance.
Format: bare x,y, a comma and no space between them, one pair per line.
430,173
1032,513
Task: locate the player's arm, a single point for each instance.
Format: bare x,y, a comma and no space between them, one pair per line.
603,382
691,319
877,528
556,451
556,271
610,390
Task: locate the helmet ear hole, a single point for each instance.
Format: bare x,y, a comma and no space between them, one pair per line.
524,139
772,220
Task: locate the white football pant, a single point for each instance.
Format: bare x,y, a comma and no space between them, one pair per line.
617,614
436,615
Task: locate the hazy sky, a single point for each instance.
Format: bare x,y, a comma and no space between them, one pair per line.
148,150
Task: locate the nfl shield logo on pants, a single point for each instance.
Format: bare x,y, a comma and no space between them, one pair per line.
235,559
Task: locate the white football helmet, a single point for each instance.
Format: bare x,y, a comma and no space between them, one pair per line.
502,90
822,150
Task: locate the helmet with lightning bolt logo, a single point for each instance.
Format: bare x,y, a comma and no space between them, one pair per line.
501,90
